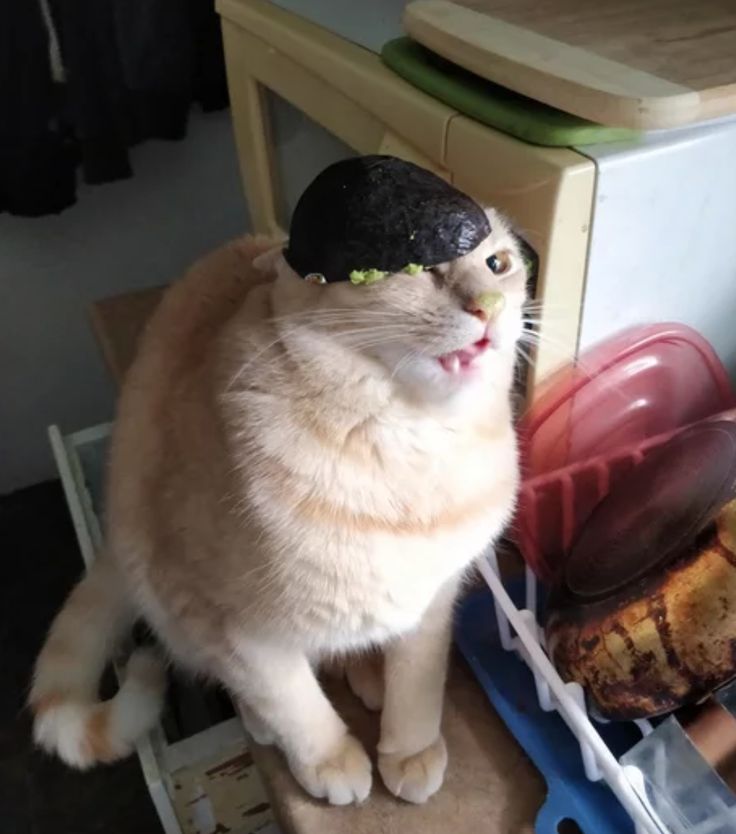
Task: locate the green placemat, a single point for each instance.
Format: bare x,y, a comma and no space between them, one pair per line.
492,104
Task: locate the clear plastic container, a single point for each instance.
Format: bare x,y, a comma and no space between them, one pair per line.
677,785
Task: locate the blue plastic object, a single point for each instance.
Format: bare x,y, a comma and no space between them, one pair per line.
545,737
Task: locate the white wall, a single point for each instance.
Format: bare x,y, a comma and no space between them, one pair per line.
663,240
185,199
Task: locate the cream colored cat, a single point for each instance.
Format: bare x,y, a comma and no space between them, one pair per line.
299,472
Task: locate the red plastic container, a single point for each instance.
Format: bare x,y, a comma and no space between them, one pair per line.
594,421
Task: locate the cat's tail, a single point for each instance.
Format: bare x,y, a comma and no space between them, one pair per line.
69,718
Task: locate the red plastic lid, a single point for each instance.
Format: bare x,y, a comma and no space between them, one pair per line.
656,513
594,422
640,383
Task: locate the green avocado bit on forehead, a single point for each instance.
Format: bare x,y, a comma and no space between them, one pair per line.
367,276
373,276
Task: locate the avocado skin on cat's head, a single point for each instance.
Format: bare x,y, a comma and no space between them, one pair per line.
380,213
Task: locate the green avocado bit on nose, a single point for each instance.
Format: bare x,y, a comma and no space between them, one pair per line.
367,276
413,269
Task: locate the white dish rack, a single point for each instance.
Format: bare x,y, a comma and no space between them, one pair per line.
204,782
520,632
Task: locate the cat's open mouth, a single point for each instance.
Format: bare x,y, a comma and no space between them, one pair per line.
463,359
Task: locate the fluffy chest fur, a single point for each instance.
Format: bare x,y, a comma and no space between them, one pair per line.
365,505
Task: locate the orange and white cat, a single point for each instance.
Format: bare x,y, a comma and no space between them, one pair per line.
299,472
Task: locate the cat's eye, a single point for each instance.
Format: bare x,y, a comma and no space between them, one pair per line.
499,263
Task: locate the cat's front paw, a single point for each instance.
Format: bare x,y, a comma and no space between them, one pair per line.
342,778
415,778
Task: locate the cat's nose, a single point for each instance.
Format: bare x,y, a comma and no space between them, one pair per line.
486,305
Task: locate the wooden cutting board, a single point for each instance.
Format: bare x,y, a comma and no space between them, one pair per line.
642,64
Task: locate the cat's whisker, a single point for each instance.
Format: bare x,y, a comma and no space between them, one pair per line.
527,357
545,331
563,351
543,337
546,322
345,335
371,343
536,340
407,358
545,315
354,343
330,310
243,368
333,321
337,329
407,332
320,315
429,349
376,328
542,305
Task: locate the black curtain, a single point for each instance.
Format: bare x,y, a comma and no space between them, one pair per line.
81,81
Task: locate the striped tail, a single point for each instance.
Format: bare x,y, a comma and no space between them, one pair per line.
70,720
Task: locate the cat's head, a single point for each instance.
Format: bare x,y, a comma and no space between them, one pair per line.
436,331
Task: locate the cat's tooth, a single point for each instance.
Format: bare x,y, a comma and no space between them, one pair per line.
455,364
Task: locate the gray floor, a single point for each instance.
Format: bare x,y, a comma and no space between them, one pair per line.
38,794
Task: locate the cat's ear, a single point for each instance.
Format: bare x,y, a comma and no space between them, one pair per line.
269,260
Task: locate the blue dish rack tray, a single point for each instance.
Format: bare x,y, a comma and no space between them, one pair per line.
578,756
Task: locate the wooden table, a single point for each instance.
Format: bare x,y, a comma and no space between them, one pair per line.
491,787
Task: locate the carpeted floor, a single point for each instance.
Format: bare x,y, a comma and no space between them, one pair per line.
38,794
